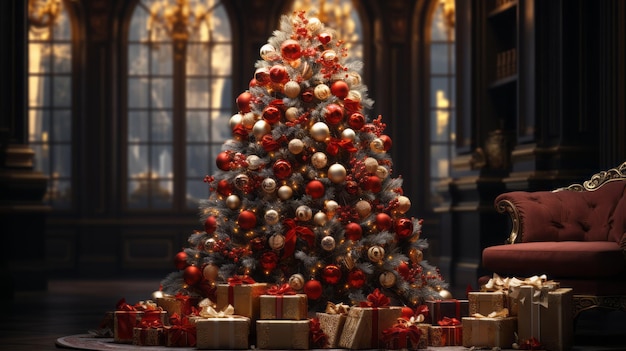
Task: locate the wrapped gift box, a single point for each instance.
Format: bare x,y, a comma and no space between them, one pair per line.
125,321
282,334
148,336
225,333
449,335
244,297
405,335
332,326
181,332
179,304
364,326
486,302
424,328
292,307
489,332
439,309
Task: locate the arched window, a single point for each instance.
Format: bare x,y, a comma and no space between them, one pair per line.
179,101
50,97
340,15
442,95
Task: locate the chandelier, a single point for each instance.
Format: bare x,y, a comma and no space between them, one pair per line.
42,14
177,19
448,8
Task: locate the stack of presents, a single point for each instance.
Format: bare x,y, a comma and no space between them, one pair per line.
532,313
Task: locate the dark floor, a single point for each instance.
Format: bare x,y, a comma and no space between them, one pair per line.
34,320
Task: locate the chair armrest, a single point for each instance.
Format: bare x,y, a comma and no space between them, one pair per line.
507,207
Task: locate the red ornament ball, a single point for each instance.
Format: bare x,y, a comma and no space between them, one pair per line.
192,275
282,169
180,260
407,313
356,121
210,225
404,227
290,50
356,278
386,141
404,270
372,183
246,220
354,231
331,274
324,38
262,76
278,74
313,289
224,188
271,114
269,261
222,161
383,221
243,102
340,89
307,96
352,187
333,114
315,189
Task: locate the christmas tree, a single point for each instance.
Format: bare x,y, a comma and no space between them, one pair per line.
304,193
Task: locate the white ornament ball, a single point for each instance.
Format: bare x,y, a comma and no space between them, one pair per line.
261,127
271,217
285,192
233,202
354,96
353,79
371,164
304,213
404,204
157,295
331,206
328,243
291,114
377,145
314,25
319,160
363,208
269,53
235,120
241,181
276,241
337,173
254,162
382,172
268,185
292,89
320,131
387,279
295,146
296,282
376,253
320,219
248,120
322,91
348,134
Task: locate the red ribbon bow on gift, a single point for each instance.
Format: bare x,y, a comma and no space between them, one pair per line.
239,280
447,321
179,328
400,331
151,319
292,235
531,344
121,305
284,289
376,299
318,337
422,310
332,147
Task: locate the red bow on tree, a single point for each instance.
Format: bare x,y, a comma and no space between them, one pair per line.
284,289
334,144
376,299
319,339
238,280
447,321
292,235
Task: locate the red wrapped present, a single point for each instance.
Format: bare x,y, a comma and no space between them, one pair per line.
452,308
181,332
447,332
402,335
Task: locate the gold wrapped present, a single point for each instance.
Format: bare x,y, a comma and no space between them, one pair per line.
557,321
332,321
486,302
281,302
364,326
222,330
181,332
126,317
148,336
448,335
489,332
282,334
180,304
241,293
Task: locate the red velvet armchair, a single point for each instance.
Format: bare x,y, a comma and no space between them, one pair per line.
575,235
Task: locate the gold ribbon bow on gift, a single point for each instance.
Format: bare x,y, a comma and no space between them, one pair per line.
540,295
495,314
210,312
339,308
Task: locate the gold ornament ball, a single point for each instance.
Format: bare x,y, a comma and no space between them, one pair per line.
363,208
322,92
248,120
319,160
295,146
353,95
320,219
292,89
375,253
210,272
371,164
320,131
347,261
241,181
254,162
268,185
382,172
304,213
233,202
260,128
235,120
353,79
157,295
377,145
291,114
416,255
387,279
348,134
209,245
296,282
314,25
276,241
404,204
269,53
445,294
271,217
285,192
328,243
331,206
337,173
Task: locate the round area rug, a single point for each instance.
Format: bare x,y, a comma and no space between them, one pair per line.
89,342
